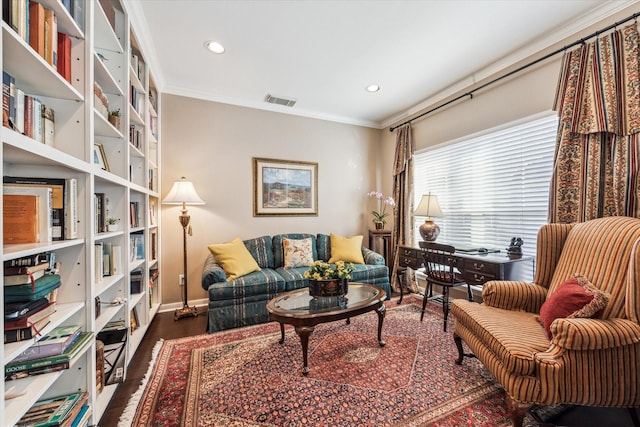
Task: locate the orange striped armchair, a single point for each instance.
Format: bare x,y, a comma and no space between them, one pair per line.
587,361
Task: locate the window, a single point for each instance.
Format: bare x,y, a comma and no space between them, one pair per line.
491,187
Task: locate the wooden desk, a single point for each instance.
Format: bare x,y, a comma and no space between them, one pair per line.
387,253
476,269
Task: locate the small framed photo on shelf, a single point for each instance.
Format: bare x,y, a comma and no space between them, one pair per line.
100,157
284,188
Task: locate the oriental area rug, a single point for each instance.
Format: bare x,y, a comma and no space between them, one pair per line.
244,377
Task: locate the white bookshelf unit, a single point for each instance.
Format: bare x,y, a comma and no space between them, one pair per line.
107,66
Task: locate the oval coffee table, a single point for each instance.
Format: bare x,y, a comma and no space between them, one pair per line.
304,312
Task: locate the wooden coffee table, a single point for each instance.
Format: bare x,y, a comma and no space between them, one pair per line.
304,312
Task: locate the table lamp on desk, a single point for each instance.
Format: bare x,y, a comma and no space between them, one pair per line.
429,207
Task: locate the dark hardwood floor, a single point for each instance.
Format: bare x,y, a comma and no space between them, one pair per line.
163,326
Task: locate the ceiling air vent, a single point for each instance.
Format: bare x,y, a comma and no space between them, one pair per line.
280,101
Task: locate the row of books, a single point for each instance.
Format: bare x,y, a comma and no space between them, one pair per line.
134,214
38,26
138,65
26,113
70,410
135,136
136,98
39,209
108,260
136,241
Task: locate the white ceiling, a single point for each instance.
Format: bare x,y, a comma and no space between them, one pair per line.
324,53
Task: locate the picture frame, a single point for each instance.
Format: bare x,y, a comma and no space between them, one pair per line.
284,187
100,157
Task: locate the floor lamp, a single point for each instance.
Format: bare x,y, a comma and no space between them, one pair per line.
183,193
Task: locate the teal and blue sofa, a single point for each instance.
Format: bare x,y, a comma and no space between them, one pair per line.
242,301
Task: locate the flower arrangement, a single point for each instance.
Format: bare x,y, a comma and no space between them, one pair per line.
380,216
320,270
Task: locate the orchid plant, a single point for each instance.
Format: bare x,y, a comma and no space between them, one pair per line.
381,214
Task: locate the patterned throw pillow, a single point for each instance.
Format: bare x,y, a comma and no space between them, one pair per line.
297,253
575,297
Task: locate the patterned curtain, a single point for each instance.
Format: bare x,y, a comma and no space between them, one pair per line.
597,156
403,195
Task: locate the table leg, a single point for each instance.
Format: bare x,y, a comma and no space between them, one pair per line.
381,312
304,332
281,333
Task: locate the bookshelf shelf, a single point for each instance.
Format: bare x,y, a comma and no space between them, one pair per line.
104,51
41,78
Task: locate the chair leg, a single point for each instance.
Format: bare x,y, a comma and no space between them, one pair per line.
469,294
445,305
458,341
518,411
400,275
424,301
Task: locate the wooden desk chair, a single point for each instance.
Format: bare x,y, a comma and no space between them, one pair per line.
440,270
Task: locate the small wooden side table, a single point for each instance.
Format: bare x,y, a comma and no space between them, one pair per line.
387,253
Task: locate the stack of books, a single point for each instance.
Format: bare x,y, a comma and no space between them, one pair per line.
67,410
54,352
30,285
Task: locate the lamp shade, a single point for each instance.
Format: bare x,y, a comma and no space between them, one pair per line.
428,206
182,192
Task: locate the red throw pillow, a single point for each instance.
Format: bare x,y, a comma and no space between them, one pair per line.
575,297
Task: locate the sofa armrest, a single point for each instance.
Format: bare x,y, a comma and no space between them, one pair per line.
212,273
594,334
371,257
512,295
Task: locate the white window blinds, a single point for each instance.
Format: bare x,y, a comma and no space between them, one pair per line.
491,187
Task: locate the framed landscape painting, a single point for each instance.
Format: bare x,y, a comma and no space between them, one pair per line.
284,187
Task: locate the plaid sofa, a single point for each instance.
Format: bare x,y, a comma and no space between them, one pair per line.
242,301
587,361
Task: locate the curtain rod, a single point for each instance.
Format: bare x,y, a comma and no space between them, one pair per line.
517,70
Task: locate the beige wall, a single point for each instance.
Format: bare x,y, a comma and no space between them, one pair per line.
213,144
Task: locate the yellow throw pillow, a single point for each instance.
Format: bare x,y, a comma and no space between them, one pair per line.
234,258
347,249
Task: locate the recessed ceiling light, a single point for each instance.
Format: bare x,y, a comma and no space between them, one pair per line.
373,88
214,47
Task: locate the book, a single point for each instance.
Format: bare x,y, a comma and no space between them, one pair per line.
14,311
64,56
21,220
31,260
19,123
48,126
8,100
31,365
33,318
51,37
36,27
82,419
21,279
43,286
57,341
45,196
50,412
55,367
36,119
10,271
27,333
28,116
64,198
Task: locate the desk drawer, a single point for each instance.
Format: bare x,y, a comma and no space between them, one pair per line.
409,257
477,272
